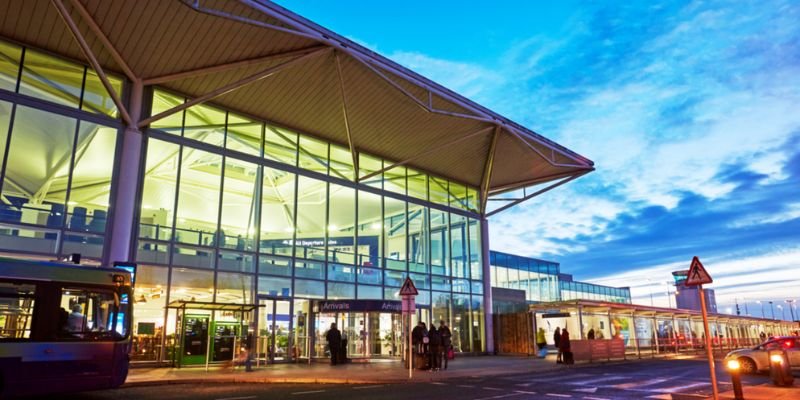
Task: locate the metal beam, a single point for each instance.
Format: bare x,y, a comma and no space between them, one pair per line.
344,113
487,170
519,135
426,152
529,182
156,80
87,52
538,192
229,87
104,40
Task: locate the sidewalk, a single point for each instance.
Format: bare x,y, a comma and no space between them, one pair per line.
352,373
766,392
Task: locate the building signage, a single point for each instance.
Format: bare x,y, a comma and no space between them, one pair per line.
556,315
389,306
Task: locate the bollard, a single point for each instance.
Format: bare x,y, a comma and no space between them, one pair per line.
779,368
734,368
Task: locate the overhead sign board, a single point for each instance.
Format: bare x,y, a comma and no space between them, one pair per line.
697,274
408,288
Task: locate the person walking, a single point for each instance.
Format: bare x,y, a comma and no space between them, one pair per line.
557,341
590,335
541,342
334,338
447,343
434,346
565,349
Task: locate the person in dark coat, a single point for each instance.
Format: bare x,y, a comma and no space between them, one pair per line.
334,338
447,343
590,335
435,348
564,347
557,341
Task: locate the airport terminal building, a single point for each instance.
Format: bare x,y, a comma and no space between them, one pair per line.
267,176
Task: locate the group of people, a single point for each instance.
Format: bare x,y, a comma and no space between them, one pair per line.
431,347
562,343
337,345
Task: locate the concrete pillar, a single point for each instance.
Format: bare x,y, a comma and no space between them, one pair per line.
123,205
488,322
580,322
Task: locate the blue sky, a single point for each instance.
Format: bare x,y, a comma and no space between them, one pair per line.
690,110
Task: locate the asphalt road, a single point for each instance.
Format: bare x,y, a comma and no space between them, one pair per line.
656,379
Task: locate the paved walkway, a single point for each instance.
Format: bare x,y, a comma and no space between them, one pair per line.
354,373
767,392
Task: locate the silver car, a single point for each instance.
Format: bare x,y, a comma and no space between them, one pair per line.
756,359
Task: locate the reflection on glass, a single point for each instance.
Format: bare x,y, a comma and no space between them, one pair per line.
239,205
311,216
277,212
158,192
95,97
417,184
440,243
394,233
51,79
313,155
91,178
191,285
458,246
149,295
163,101
244,135
418,238
369,229
476,267
9,65
234,288
367,165
341,165
341,220
280,145
205,124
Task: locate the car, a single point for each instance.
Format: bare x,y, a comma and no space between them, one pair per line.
756,359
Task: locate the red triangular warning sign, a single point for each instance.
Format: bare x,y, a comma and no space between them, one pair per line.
408,288
697,274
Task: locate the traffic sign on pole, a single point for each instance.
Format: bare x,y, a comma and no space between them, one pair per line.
697,274
409,292
408,288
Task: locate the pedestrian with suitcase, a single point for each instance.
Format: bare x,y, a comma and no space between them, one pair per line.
541,342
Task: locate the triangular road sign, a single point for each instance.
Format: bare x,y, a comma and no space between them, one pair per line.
697,274
408,288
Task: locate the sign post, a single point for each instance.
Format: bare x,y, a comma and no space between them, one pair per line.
409,292
697,277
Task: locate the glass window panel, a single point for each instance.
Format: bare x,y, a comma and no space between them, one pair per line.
51,79
341,291
395,179
198,198
96,98
423,298
440,243
439,191
477,287
270,286
277,212
9,65
91,178
341,165
341,223
274,265
478,334
152,252
461,323
458,245
233,261
441,283
339,272
394,233
312,203
280,145
458,195
90,311
158,192
369,275
418,238
234,288
150,297
368,164
391,293
196,257
393,278
312,289
5,119
163,101
461,285
309,269
473,200
421,281
370,292
39,156
244,135
239,205
313,154
369,229
476,267
440,308
417,184
89,246
205,124
191,285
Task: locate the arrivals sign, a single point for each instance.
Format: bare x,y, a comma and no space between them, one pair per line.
389,306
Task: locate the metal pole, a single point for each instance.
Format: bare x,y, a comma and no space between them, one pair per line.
772,309
709,352
410,349
208,343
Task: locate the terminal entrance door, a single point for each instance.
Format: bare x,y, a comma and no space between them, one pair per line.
274,329
369,334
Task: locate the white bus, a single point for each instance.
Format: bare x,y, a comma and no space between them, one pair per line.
63,327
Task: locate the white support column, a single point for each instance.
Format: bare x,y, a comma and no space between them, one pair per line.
124,202
488,322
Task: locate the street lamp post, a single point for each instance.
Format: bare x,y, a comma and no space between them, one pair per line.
762,308
772,309
791,307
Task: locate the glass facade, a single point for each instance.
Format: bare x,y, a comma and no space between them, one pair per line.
231,209
57,160
542,281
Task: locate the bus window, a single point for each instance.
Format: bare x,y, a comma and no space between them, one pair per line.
85,313
16,310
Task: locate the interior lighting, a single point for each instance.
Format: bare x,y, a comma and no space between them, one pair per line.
332,227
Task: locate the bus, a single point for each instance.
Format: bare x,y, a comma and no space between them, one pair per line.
63,327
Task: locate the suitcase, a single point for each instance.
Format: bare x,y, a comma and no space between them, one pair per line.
543,353
420,361
569,359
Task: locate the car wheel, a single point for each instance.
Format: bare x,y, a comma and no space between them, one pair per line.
748,366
